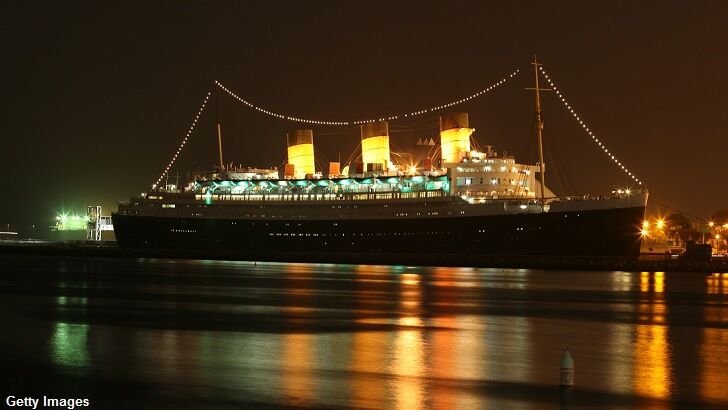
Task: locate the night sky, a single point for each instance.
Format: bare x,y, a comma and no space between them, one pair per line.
95,99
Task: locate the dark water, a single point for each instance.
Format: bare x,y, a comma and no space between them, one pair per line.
207,334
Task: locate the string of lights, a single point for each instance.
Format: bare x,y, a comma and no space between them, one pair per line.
443,106
184,141
273,114
390,117
581,122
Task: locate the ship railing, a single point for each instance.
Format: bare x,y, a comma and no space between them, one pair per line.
364,196
590,197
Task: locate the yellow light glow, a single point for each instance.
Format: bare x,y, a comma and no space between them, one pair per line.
412,170
660,283
643,232
301,156
645,224
717,236
644,281
454,142
652,349
725,226
375,150
711,224
660,223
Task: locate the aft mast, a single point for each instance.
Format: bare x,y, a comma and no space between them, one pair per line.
219,134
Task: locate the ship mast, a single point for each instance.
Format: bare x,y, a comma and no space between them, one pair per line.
539,128
219,134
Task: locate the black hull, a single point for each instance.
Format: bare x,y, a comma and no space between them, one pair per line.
608,232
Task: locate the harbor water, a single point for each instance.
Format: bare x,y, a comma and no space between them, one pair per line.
203,334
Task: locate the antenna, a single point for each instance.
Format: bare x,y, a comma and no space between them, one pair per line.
539,128
219,133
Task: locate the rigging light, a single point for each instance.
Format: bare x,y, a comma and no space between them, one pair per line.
359,122
184,141
584,126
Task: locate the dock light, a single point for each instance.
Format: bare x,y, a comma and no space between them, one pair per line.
627,191
660,223
711,224
643,232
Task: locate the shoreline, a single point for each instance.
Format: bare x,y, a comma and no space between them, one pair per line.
109,249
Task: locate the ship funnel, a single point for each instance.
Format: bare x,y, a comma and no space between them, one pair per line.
300,153
454,136
375,146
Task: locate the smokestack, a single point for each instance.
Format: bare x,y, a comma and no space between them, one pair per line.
289,171
300,153
334,169
375,144
454,136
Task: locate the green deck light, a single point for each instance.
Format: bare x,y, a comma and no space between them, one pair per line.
74,222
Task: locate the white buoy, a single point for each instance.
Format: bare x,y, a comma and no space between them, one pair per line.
567,369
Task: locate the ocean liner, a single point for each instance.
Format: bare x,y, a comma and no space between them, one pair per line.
470,202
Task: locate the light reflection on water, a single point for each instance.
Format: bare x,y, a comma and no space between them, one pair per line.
407,363
68,344
652,376
401,337
297,361
715,342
